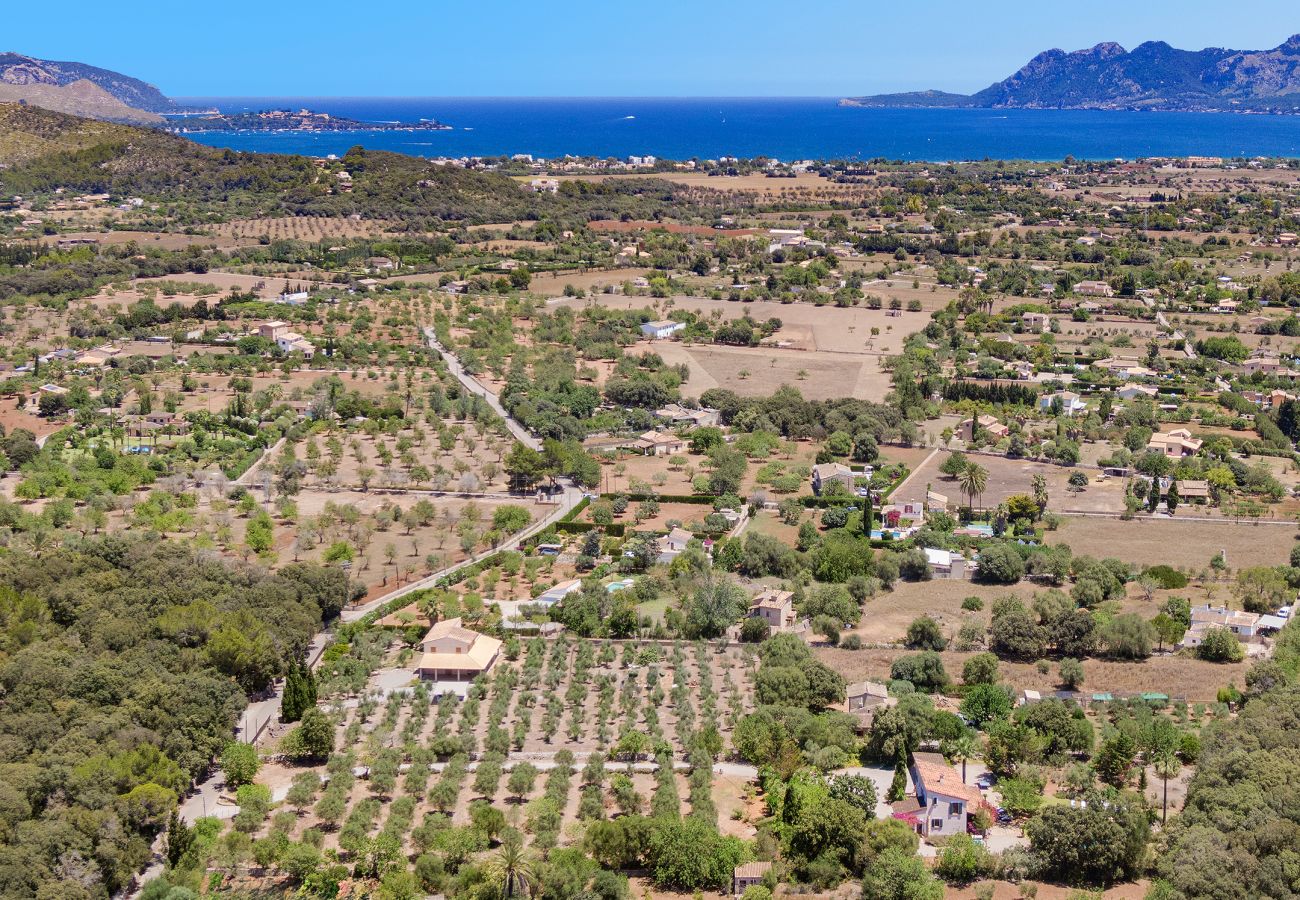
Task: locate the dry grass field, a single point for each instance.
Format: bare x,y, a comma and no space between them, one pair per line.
843,357
550,284
834,329
802,184
759,371
265,287
145,239
1176,542
885,618
456,456
1005,890
1015,476
689,515
388,553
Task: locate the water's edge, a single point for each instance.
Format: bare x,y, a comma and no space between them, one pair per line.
782,128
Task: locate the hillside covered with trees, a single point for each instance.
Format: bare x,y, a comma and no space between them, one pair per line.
46,150
124,665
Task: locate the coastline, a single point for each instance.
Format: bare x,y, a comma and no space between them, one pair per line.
781,128
873,103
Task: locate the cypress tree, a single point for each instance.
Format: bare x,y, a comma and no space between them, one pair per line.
180,838
898,787
309,687
291,703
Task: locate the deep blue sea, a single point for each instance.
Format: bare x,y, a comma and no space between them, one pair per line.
783,128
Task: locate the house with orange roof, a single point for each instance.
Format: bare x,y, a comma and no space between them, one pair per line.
1176,444
774,607
943,800
452,652
748,875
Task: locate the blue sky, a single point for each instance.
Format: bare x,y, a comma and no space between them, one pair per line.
610,48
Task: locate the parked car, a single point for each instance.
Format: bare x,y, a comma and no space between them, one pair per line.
986,781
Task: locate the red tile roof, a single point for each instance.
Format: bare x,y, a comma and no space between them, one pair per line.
946,781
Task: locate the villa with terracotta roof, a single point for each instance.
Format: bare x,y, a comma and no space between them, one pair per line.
659,443
943,801
748,875
968,429
1176,444
1250,628
865,695
823,474
451,652
673,544
1094,289
774,607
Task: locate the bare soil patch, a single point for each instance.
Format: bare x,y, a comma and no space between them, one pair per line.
1015,476
1176,542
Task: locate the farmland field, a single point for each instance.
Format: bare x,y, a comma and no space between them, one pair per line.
1185,544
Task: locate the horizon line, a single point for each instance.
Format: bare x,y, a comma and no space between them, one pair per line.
510,96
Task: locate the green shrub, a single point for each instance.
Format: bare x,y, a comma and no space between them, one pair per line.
1167,577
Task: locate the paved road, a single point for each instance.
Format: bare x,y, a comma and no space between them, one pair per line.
472,385
252,471
206,799
1188,350
568,500
900,493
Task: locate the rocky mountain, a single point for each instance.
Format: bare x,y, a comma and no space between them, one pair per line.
80,98
1153,76
80,89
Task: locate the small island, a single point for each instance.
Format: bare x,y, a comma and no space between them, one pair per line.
301,120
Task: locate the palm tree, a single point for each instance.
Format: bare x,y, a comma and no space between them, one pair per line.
1167,765
1040,493
511,869
973,480
964,747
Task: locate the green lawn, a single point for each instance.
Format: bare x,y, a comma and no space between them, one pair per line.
653,608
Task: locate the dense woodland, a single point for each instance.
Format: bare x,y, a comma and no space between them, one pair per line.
102,158
124,665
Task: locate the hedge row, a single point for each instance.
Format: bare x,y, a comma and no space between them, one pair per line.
666,498
577,508
823,502
615,529
347,629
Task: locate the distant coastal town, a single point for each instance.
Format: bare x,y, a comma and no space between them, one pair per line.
301,120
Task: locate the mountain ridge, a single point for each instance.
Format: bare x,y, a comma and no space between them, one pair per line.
1153,76
80,98
18,69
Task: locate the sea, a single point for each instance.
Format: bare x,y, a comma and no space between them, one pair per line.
781,128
